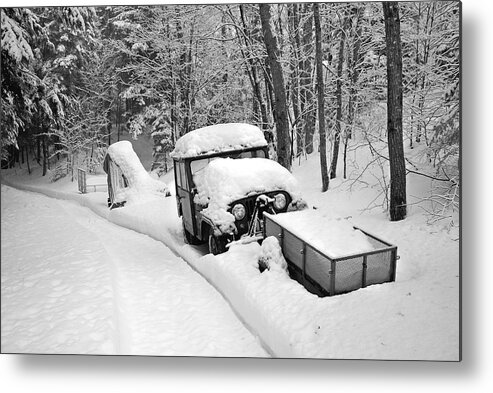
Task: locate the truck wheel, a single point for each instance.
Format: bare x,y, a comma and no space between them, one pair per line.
189,238
217,244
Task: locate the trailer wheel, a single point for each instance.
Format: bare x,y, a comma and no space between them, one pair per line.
217,244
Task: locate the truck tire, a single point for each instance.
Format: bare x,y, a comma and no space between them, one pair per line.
217,244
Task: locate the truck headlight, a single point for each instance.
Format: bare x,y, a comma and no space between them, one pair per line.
238,211
279,201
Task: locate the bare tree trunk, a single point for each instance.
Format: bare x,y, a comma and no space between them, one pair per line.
260,100
308,102
271,102
354,69
27,160
338,94
430,17
117,114
38,149
173,113
71,161
173,116
252,73
394,112
45,156
295,77
108,128
92,155
282,124
11,158
185,82
415,84
320,92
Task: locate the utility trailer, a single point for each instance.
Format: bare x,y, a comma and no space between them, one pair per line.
325,275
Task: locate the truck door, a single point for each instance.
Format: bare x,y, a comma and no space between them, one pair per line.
184,196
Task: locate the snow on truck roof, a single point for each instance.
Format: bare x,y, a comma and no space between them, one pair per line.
218,138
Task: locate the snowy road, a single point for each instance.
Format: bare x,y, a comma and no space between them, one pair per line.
74,283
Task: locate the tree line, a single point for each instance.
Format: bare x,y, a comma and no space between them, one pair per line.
74,79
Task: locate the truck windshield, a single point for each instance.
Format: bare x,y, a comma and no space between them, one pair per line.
198,165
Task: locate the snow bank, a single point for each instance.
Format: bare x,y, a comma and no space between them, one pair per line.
334,237
140,183
225,180
218,138
279,309
271,255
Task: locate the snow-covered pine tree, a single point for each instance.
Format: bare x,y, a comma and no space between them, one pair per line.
46,48
18,28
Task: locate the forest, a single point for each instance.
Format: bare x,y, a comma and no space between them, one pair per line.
313,76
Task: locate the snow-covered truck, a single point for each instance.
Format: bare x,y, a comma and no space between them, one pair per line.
224,181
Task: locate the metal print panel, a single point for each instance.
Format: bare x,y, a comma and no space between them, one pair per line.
142,146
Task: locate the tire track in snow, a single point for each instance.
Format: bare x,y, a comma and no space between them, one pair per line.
55,292
163,306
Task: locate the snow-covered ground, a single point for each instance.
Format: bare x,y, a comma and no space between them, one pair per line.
416,317
74,283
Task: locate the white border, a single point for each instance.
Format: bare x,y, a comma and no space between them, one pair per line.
124,374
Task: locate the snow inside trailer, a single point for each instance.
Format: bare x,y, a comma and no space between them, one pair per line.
128,181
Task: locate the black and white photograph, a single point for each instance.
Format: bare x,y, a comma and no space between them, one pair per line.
232,180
